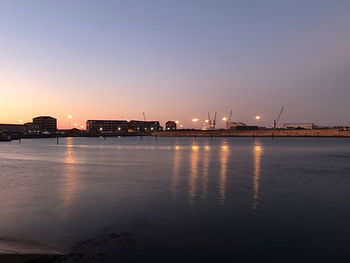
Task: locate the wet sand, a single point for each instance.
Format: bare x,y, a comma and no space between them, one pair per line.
110,245
20,251
27,258
101,248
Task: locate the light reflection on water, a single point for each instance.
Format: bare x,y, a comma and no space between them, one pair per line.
228,190
206,159
193,177
224,154
176,168
258,151
71,184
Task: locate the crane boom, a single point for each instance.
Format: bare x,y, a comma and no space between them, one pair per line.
275,122
209,120
229,118
214,122
228,121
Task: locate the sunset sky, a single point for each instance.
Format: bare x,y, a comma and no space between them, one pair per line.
175,60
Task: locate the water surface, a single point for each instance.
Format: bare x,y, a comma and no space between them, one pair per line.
181,199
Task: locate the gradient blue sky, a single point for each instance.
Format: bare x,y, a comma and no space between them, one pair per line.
175,60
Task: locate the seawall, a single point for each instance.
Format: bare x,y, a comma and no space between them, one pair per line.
256,133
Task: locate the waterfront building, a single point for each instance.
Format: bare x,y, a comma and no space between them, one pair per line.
292,126
26,128
45,123
240,126
144,126
11,128
234,125
170,126
31,128
106,126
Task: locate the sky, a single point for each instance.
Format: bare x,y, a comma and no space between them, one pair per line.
175,60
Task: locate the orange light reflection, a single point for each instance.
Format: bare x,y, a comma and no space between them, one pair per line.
224,154
71,182
176,167
257,152
194,159
206,159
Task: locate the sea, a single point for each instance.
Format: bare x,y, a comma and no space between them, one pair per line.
178,199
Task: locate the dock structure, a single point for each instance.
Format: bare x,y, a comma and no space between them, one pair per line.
339,133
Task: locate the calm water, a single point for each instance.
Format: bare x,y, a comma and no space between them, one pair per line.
285,199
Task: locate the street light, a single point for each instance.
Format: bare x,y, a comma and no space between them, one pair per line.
224,118
258,117
69,118
195,120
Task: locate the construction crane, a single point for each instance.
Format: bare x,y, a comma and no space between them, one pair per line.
275,122
229,121
212,123
209,120
144,116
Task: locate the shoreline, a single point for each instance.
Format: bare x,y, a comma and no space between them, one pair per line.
21,251
281,133
314,133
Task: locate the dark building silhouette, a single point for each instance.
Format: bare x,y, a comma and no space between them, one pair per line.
27,128
170,126
30,127
45,123
144,126
16,128
105,126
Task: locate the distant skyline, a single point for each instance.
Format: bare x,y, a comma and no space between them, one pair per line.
175,60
